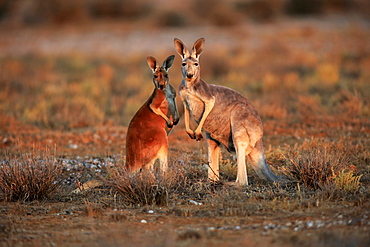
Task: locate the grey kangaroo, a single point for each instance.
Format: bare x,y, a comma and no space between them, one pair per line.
227,117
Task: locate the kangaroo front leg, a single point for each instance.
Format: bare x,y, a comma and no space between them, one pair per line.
187,121
208,106
160,113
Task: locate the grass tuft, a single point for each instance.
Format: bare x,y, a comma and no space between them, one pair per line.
145,187
29,177
320,164
346,181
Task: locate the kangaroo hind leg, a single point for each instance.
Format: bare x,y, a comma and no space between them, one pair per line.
241,177
163,158
213,159
241,144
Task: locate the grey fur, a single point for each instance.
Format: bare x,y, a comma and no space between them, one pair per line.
227,117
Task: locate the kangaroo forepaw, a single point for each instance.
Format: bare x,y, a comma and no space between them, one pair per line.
191,134
169,124
198,136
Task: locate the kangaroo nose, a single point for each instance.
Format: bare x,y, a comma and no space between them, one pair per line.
189,76
162,85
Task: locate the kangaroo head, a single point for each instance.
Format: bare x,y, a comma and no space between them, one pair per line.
190,67
160,73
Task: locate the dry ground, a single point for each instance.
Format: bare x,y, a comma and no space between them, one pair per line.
252,215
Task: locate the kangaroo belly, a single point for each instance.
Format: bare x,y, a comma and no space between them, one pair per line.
219,128
144,140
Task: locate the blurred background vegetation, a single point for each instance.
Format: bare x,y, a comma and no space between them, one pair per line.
313,71
170,13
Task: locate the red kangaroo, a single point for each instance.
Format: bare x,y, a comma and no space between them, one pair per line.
147,132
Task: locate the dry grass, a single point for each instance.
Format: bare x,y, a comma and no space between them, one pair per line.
346,181
146,187
29,177
72,91
319,164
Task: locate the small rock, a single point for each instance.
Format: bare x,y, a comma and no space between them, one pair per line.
354,222
320,224
309,224
194,202
73,146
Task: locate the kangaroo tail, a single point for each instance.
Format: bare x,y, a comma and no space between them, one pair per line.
263,171
259,164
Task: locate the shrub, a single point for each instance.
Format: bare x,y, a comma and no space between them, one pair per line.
352,105
172,19
119,9
304,7
228,169
259,10
217,12
346,181
310,108
146,187
318,163
29,177
344,184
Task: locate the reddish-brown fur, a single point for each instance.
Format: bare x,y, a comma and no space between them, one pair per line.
146,139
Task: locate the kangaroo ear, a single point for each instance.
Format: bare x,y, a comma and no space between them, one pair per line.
181,49
198,47
168,62
152,62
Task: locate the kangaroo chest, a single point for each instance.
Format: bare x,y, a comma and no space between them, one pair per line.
195,106
217,123
193,103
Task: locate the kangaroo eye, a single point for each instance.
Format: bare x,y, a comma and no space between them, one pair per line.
166,76
155,76
183,64
196,64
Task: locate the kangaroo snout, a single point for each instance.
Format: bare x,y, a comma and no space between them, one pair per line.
161,84
189,76
176,121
